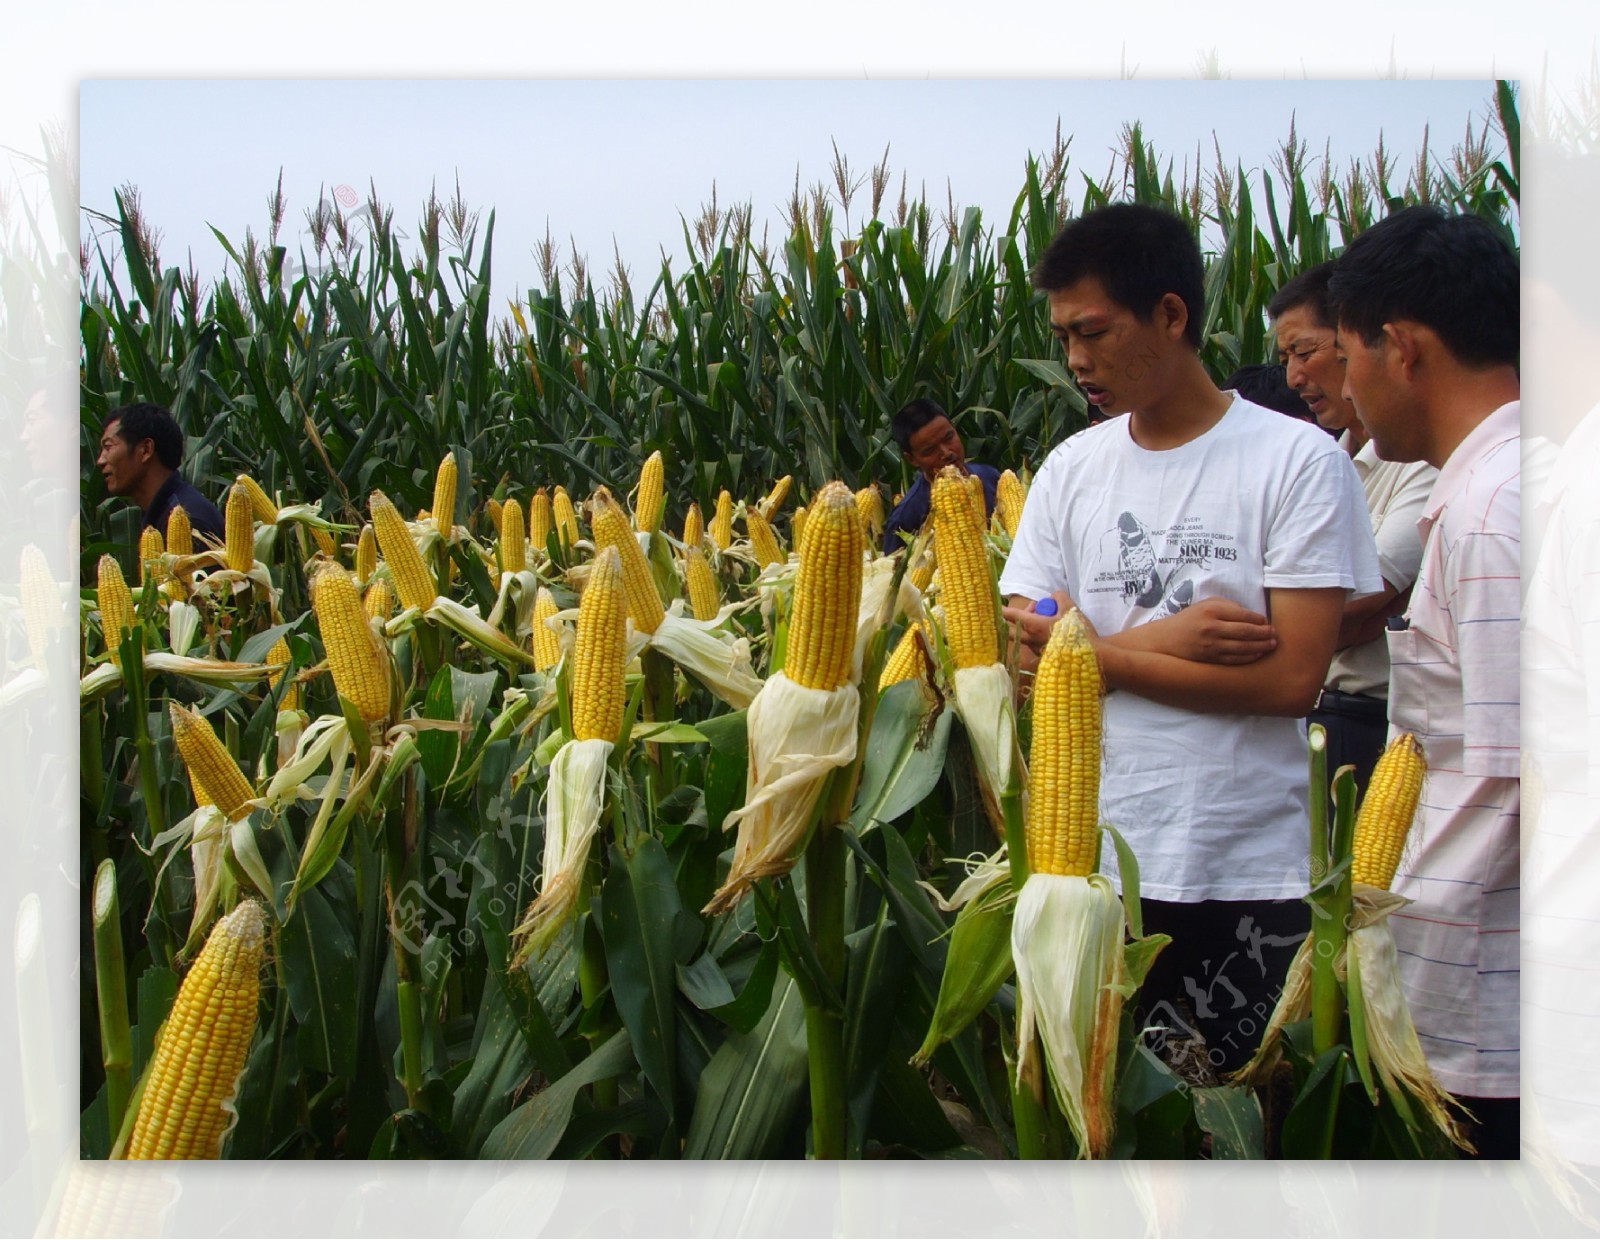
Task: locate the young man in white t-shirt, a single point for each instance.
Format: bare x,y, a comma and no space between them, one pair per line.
1212,544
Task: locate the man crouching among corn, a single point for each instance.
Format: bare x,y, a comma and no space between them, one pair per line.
1066,936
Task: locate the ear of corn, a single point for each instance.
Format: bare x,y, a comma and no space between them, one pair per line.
238,528
908,660
920,574
799,528
651,494
379,602
1064,767
827,592
366,554
180,534
722,522
41,602
203,1046
261,506
513,538
546,645
694,527
600,653
869,503
776,496
701,585
1387,809
325,543
280,654
412,579
496,512
444,496
762,540
150,548
1010,496
611,529
209,763
968,589
116,606
539,520
980,504
360,669
566,517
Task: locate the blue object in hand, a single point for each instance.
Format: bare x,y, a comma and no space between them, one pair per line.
1045,607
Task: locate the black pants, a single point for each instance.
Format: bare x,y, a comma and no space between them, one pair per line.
1222,973
1358,727
1498,1131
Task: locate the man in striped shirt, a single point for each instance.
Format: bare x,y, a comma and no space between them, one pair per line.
1429,330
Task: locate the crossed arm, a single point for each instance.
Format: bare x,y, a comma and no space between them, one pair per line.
1216,657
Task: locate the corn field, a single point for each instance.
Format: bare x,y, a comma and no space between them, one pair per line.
469,865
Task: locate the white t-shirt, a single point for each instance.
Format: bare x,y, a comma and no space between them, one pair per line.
1214,805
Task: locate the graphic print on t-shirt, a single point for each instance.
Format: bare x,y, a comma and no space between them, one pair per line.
1150,565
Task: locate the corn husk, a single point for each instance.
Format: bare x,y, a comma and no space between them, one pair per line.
574,799
714,656
798,736
987,705
1066,940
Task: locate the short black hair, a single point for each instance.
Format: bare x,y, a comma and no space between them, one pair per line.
141,421
1268,385
1139,253
1308,289
1454,274
912,418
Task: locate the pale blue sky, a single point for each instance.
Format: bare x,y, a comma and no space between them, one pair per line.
623,159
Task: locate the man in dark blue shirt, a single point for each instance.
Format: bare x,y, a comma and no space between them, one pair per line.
141,448
929,441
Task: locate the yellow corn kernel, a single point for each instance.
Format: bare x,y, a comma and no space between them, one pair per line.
444,495
908,661
379,601
539,521
650,495
1064,763
366,554
202,1048
412,580
566,517
869,503
210,764
1387,809
827,592
151,548
722,522
359,665
968,590
601,649
180,534
762,540
546,645
611,529
513,538
261,506
797,529
776,496
1010,496
280,653
238,530
701,585
694,527
116,606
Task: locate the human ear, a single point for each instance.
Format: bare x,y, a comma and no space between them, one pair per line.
1175,314
1403,340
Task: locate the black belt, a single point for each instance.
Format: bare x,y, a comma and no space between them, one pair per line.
1350,705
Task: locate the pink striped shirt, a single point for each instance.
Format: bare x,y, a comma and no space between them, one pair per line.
1455,683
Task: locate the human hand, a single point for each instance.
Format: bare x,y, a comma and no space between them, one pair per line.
1212,630
1031,627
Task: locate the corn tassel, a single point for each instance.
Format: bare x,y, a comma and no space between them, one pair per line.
186,1106
209,763
649,498
611,529
239,530
412,580
358,663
